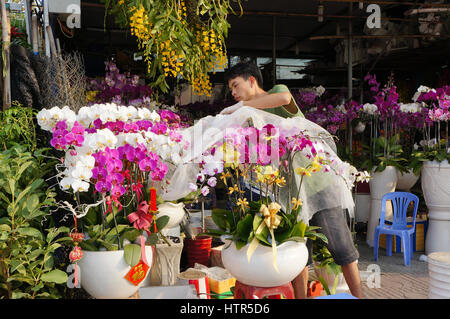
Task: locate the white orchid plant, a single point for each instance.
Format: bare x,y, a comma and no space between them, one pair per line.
116,159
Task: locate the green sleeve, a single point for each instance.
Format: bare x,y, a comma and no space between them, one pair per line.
279,88
281,111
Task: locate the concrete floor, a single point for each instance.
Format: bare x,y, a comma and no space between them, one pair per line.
395,280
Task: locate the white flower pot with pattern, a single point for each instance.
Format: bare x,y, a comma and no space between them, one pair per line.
436,191
175,212
291,260
102,274
439,275
166,268
381,183
405,181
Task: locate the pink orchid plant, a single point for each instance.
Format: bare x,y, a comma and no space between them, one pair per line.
118,157
264,159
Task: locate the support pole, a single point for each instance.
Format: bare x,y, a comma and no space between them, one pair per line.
46,24
274,50
350,76
27,13
6,39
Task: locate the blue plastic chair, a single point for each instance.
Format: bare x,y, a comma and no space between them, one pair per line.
400,202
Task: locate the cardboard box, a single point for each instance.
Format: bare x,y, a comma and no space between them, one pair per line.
220,281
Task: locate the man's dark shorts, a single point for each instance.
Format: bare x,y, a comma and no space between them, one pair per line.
340,242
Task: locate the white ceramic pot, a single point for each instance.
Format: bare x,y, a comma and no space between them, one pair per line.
436,192
260,272
329,279
166,268
405,181
362,207
174,211
102,274
381,183
439,275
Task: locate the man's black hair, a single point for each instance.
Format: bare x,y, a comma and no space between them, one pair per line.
245,70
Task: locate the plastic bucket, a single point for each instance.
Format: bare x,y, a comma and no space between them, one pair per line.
198,250
439,275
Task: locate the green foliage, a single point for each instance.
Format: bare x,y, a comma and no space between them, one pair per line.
27,265
175,31
323,259
243,230
112,231
418,157
17,127
106,234
384,152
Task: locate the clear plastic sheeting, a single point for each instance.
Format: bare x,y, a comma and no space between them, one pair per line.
323,190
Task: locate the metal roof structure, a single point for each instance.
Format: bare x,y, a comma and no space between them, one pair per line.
313,29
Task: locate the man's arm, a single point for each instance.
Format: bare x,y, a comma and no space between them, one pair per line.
270,100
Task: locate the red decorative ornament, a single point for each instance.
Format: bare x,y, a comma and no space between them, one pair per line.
76,254
77,237
153,206
137,273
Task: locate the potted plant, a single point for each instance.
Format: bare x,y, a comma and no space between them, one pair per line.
265,238
116,156
432,159
327,271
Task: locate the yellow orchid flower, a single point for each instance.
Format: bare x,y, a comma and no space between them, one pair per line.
269,171
296,202
303,171
230,156
235,188
224,177
243,203
316,166
280,181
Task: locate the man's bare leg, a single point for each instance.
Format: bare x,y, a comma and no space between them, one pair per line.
300,284
351,275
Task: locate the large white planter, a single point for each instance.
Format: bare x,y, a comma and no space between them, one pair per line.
436,191
176,213
362,207
260,272
381,183
102,274
405,181
329,279
439,273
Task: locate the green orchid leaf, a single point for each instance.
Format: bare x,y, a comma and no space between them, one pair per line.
162,222
152,239
220,218
245,226
132,254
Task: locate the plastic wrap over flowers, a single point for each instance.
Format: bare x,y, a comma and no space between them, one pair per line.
113,149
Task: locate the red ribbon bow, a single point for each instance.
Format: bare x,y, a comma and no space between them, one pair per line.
141,219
